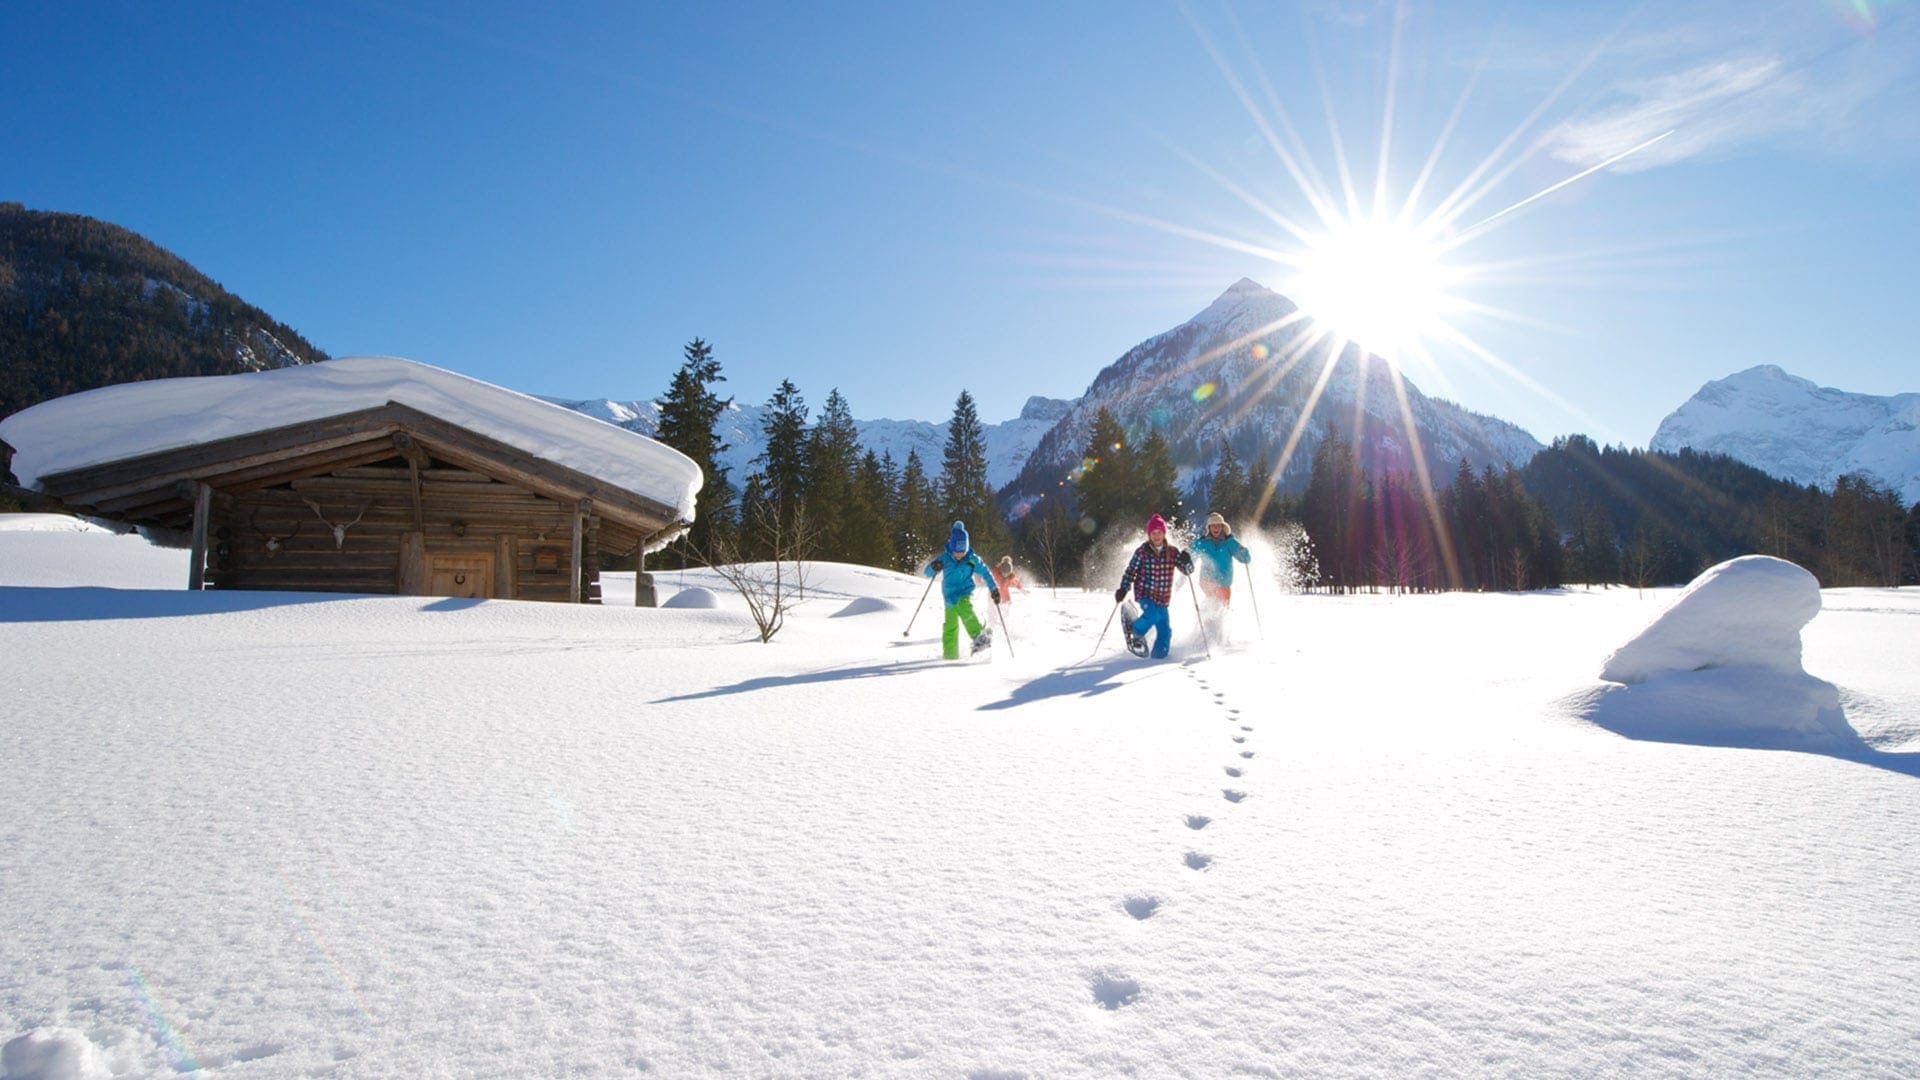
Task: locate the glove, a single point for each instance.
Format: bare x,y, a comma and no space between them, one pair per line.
938,565
1186,564
995,593
1119,594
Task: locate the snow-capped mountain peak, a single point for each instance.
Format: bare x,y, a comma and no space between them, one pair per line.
1233,374
1798,430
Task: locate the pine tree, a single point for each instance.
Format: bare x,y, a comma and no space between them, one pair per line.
1331,512
833,459
1102,482
1156,489
869,535
964,492
688,415
783,464
1227,495
917,535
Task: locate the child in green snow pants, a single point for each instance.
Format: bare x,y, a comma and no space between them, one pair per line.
957,568
959,611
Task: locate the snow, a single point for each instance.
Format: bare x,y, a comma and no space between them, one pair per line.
1746,612
49,523
695,597
1721,667
1800,431
278,834
131,419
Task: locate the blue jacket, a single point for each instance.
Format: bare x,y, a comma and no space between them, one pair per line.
1216,557
956,576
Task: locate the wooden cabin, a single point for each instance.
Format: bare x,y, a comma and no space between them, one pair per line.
391,499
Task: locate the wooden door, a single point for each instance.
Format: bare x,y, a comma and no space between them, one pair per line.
460,575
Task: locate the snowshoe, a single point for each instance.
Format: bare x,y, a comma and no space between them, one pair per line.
1136,643
983,640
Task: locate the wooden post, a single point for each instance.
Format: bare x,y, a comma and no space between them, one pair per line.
643,591
575,589
506,580
413,564
202,510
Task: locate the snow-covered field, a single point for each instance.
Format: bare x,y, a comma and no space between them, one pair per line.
264,834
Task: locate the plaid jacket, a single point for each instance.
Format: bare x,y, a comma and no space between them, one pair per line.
1151,573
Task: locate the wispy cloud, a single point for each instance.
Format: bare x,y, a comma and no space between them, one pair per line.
1715,102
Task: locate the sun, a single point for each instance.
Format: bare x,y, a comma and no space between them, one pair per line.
1380,284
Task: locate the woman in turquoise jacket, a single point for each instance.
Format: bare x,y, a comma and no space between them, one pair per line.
1216,552
957,567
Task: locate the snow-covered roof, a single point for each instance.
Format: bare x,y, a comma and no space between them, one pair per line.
134,419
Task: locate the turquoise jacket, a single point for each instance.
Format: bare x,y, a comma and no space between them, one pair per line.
956,576
1216,557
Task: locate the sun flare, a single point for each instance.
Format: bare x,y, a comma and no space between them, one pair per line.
1381,285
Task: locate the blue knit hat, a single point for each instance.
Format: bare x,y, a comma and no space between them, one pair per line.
957,541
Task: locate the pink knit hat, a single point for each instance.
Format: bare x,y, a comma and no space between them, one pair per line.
1156,522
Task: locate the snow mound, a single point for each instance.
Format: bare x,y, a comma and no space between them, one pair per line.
53,1053
47,523
865,605
1721,667
695,597
1746,612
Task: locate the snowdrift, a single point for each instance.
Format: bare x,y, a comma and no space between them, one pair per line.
695,597
1721,667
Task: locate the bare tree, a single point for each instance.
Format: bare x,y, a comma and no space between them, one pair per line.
1050,541
1517,564
770,587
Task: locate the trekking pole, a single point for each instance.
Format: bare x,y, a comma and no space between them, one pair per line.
1004,632
917,607
1253,590
1197,620
1103,635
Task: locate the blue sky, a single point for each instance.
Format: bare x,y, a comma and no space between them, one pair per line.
906,200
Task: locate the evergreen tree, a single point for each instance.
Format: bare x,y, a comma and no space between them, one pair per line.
1156,484
833,459
1331,510
964,492
869,535
783,464
688,415
1103,482
917,531
1227,494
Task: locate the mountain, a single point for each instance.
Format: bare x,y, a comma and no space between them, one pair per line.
85,304
1009,444
1223,376
1796,429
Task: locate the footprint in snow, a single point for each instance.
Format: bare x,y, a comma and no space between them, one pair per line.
1246,753
1232,795
1239,738
1112,989
1233,772
1142,907
1197,861
1198,821
1244,727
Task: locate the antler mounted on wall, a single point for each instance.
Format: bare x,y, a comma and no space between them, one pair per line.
274,543
339,531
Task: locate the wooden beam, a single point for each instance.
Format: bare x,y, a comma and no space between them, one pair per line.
115,478
202,510
580,511
413,564
506,571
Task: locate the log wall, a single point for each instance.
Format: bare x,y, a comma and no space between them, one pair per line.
530,537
